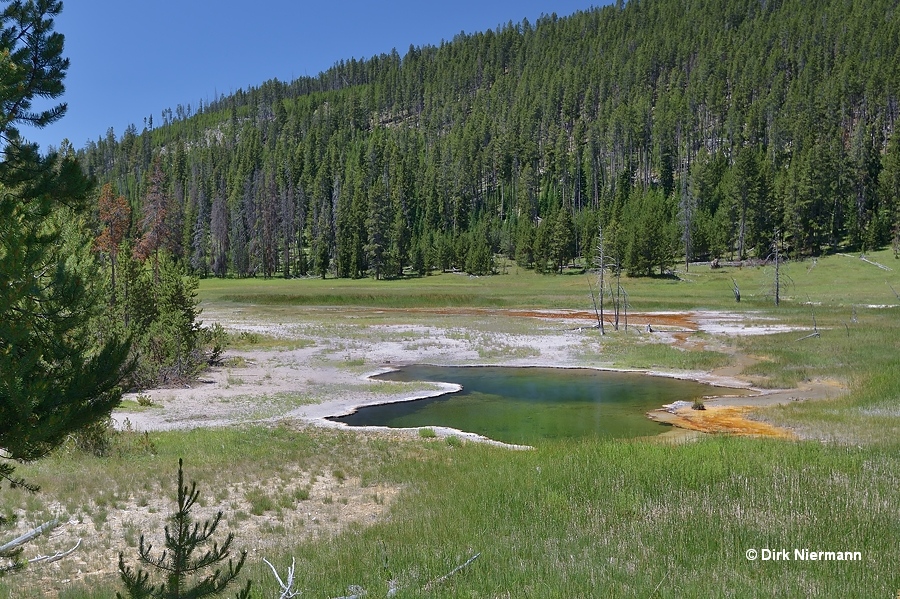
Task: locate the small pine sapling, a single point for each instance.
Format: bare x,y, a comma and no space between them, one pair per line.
183,578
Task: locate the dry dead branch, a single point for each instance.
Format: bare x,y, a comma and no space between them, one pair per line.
287,585
356,591
815,332
596,309
873,263
660,583
866,260
444,578
28,537
12,549
49,559
735,290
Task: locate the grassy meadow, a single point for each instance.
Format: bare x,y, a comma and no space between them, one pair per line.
832,282
566,519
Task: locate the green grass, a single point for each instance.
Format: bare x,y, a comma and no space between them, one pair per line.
260,501
258,341
633,352
579,519
831,282
569,519
437,291
130,405
623,519
844,349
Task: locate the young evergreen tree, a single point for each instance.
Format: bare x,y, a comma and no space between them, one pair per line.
542,245
399,242
186,559
649,236
417,256
525,243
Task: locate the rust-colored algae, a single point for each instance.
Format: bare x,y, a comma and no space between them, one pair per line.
730,420
668,320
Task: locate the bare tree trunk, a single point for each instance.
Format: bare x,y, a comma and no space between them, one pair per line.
777,272
601,258
618,302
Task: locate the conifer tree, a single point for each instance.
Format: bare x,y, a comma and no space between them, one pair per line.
889,187
185,560
54,376
219,236
377,229
562,242
155,223
490,125
115,216
479,260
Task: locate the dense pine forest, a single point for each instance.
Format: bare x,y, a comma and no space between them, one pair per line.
682,129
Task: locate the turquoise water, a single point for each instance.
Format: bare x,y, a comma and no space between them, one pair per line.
526,405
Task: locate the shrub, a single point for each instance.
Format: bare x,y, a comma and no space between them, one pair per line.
161,316
96,438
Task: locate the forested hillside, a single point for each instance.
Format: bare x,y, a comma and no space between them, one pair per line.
686,129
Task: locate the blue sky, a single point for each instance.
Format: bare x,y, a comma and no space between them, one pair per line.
134,58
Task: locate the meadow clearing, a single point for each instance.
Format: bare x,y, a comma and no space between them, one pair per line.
669,516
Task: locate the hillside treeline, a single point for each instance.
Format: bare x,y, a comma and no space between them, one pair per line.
685,129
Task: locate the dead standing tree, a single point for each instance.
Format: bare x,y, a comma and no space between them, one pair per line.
780,277
596,308
605,287
600,261
777,273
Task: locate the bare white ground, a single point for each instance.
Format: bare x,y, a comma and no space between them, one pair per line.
327,373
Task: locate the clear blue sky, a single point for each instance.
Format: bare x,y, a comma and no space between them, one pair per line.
134,58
